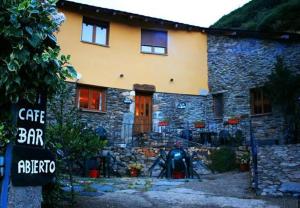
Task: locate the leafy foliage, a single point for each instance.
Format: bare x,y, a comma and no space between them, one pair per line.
283,88
70,140
30,60
264,15
223,160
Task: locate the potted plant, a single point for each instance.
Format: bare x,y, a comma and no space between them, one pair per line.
233,120
244,162
135,169
199,124
94,173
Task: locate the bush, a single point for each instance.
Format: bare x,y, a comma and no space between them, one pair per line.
72,141
223,160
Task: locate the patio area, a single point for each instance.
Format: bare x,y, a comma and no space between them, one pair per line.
218,190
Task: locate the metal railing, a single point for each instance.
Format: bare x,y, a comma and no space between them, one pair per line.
213,134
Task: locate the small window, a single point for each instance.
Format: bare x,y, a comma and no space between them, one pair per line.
218,105
91,98
94,31
153,41
260,103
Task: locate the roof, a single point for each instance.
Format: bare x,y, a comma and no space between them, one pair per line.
139,19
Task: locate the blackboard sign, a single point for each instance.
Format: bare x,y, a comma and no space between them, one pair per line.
32,166
31,121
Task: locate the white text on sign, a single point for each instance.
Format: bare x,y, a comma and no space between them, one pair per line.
36,166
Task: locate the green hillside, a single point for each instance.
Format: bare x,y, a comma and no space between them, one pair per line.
264,15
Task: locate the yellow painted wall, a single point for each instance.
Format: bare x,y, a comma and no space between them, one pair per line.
186,61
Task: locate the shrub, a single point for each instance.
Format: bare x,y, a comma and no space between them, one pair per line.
223,160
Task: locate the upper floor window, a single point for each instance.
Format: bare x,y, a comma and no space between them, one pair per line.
218,105
154,41
91,98
260,103
94,31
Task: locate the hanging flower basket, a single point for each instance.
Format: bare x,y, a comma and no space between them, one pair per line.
163,123
233,121
199,124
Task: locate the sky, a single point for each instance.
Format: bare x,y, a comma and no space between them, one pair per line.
195,12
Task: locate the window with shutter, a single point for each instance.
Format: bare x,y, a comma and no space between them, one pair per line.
260,103
153,41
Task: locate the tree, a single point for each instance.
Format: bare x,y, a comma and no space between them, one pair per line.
283,87
264,15
30,60
71,140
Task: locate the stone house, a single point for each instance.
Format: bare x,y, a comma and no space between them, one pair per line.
238,66
137,71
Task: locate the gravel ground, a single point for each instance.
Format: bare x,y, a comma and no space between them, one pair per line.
214,191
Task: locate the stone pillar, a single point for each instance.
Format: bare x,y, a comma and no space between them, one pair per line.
24,197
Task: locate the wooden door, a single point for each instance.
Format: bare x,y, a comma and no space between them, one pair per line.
143,113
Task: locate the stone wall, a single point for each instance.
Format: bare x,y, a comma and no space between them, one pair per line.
118,119
235,65
279,170
147,155
181,110
111,120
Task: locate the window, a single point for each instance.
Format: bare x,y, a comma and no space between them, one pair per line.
153,41
218,105
91,98
260,103
94,31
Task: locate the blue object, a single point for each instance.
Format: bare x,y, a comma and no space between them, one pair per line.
6,179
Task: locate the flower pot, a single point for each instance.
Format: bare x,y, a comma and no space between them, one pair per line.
199,125
178,175
163,123
134,172
244,167
94,173
233,121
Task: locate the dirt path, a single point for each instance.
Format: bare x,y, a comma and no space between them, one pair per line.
221,190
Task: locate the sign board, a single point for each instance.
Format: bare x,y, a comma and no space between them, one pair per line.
31,121
32,166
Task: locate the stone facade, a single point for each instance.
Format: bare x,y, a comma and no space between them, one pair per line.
180,110
118,119
238,64
279,170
